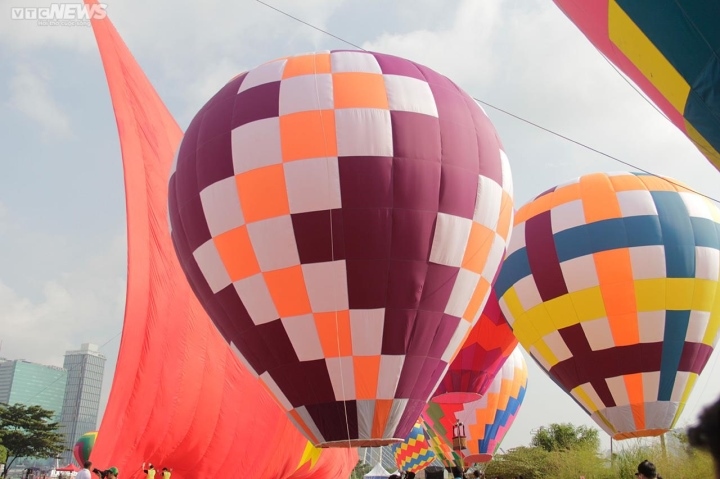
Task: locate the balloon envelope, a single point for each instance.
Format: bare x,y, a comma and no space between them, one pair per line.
493,418
486,420
83,447
482,355
670,49
414,453
340,216
611,284
440,445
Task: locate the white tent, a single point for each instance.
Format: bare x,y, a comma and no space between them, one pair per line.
378,472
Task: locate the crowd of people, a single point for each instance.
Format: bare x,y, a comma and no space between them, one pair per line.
113,472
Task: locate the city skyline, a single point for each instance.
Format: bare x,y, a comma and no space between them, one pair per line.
81,403
71,392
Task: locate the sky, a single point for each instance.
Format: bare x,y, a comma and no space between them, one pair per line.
62,219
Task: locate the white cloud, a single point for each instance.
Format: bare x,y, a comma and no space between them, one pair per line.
85,304
23,35
30,95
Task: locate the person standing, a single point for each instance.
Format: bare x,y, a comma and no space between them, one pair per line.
84,473
150,471
706,434
647,470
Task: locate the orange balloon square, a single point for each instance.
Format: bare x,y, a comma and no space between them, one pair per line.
334,333
506,214
237,253
599,199
308,134
382,414
476,300
653,183
478,248
366,370
263,193
287,289
359,90
307,65
627,183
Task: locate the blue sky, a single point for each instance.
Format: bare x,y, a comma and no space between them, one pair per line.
62,231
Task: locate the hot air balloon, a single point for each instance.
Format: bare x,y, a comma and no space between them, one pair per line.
482,355
440,446
83,447
493,417
414,453
485,420
611,284
341,215
670,49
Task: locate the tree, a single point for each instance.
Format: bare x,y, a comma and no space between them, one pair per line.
564,437
360,470
528,462
27,431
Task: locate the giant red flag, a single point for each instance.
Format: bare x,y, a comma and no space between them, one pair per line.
179,397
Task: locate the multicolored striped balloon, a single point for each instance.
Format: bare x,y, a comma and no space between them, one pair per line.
486,420
414,453
497,410
83,447
482,355
611,283
441,447
351,210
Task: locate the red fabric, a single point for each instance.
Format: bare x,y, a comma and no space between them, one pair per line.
179,398
68,468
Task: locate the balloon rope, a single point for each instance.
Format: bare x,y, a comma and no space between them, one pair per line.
332,257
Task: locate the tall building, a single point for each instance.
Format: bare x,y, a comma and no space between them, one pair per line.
31,384
85,368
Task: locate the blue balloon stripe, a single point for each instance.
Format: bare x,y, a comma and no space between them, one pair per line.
502,417
678,234
514,268
676,326
707,232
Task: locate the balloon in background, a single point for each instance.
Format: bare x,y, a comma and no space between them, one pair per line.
440,446
486,420
611,284
495,416
414,453
482,355
670,49
341,216
83,447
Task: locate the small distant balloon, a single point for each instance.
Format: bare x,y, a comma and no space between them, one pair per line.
83,447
